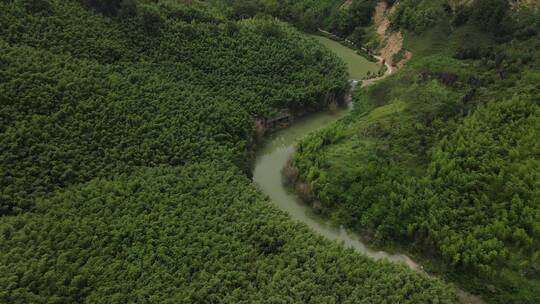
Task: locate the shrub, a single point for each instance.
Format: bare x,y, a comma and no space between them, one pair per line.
151,19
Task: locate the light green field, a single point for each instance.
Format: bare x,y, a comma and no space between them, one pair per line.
358,65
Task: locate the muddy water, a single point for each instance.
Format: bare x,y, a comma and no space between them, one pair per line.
272,158
357,65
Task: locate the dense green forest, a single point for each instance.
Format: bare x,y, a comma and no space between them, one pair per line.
134,98
125,136
351,20
195,234
442,158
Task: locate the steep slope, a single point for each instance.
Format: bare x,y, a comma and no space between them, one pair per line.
391,41
440,158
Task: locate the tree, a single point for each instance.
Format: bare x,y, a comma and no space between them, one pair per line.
106,7
128,8
491,15
151,19
37,6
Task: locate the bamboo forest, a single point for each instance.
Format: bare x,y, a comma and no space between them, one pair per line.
270,151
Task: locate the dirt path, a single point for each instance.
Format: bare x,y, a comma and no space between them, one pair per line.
389,71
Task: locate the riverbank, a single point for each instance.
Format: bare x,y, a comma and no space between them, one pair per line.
336,44
278,147
277,177
359,67
329,100
273,156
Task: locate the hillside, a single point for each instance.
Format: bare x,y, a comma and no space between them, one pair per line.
105,96
442,158
127,129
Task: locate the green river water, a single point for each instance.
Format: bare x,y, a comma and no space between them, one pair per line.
357,65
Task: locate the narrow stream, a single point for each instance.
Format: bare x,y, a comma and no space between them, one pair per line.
272,158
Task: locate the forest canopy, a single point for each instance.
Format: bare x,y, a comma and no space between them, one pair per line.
100,104
126,131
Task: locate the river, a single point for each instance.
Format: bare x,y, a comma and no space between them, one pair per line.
279,147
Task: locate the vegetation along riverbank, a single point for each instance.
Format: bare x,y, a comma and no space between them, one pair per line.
442,158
